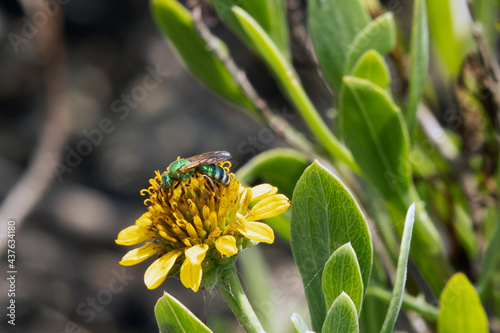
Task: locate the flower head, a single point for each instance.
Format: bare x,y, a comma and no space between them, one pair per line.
198,224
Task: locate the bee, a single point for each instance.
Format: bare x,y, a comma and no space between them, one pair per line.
183,169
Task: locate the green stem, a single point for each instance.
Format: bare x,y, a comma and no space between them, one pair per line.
412,303
231,289
490,262
289,82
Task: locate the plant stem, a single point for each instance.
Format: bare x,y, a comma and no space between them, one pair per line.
490,261
290,84
231,289
412,303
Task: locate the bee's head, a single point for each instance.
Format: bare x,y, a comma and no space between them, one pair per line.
166,181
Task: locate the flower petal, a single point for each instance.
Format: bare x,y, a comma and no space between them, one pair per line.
196,253
226,245
144,220
269,207
262,191
158,271
134,234
257,231
191,271
140,254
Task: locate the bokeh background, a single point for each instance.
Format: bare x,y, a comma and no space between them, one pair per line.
79,100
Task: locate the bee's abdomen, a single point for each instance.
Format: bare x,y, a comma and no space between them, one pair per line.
216,172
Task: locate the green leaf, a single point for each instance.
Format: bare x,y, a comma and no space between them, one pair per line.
270,14
299,324
491,259
460,308
419,61
451,34
333,25
373,130
342,316
378,35
372,67
342,274
279,167
400,280
173,316
175,22
325,216
289,82
375,133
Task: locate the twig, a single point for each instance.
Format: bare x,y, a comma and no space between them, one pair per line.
276,122
30,188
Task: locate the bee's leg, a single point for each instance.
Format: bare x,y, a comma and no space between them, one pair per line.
177,185
211,184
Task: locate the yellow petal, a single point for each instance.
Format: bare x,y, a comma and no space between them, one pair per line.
191,231
246,197
269,207
226,245
196,254
140,254
191,271
262,191
257,231
144,220
158,271
134,235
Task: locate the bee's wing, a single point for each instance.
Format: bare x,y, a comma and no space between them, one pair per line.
205,158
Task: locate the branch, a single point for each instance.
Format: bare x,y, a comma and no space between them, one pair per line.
28,191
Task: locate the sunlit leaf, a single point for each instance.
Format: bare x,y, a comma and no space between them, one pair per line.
325,216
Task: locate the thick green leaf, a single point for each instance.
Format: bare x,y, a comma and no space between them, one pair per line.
460,310
342,316
378,35
299,324
176,23
373,130
173,316
270,14
333,25
419,61
289,82
342,274
400,280
372,67
325,216
279,167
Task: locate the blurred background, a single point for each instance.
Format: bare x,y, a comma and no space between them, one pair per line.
92,101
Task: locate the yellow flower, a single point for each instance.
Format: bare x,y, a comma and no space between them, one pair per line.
197,225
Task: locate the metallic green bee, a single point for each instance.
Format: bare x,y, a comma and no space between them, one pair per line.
183,169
